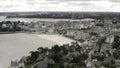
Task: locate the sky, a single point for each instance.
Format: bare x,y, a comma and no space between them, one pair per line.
59,5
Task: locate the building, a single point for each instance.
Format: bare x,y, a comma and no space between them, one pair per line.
117,63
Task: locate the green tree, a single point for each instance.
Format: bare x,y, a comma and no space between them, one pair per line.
108,64
56,58
34,55
64,50
56,48
116,42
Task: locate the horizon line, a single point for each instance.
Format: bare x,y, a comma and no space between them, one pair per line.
58,11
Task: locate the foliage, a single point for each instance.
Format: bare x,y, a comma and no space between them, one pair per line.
81,40
98,57
57,54
116,42
56,48
116,54
108,64
8,26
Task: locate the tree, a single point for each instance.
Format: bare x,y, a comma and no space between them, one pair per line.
64,50
116,42
100,42
56,58
42,50
84,56
76,59
67,65
28,61
98,57
34,55
100,24
82,64
108,64
81,40
56,48
116,54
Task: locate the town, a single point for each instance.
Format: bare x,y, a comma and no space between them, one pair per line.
97,43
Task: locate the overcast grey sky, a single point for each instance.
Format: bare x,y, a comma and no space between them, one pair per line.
59,5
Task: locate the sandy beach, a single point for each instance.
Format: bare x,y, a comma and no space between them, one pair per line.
15,46
59,39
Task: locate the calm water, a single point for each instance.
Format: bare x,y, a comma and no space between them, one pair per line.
3,18
31,19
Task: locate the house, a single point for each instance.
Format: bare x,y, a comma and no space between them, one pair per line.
89,64
117,63
50,31
81,35
21,62
42,64
102,67
84,23
70,56
4,25
71,32
78,25
49,61
14,64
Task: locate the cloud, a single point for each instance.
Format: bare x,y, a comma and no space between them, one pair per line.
114,0
70,0
59,5
81,4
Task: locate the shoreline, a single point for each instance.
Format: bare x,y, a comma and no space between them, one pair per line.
16,45
56,38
